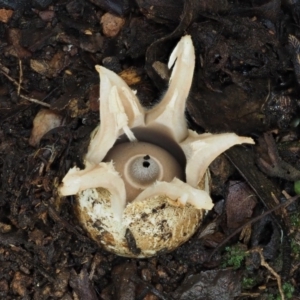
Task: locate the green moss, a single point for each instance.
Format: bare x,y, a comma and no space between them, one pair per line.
297,187
295,248
234,256
248,283
288,291
295,220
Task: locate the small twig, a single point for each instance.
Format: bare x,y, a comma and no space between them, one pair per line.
294,269
56,217
286,195
149,287
10,78
268,96
48,95
251,295
270,269
20,77
95,261
45,274
19,87
288,202
35,101
277,167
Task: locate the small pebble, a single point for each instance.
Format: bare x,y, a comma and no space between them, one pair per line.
111,24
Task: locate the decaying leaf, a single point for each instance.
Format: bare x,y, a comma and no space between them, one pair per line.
240,202
212,285
5,15
50,68
44,121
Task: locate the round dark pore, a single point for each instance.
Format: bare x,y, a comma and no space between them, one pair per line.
153,157
158,138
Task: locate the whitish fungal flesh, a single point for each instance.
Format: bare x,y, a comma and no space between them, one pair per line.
144,189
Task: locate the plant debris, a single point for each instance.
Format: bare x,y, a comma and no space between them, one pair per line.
246,81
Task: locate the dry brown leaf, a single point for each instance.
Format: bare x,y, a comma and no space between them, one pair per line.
47,15
240,202
50,68
20,283
130,76
94,97
44,121
15,49
5,15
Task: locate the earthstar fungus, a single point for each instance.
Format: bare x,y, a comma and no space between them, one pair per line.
145,188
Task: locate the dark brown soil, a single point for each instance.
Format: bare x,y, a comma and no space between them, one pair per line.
246,81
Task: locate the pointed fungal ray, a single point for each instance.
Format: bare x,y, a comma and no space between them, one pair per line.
169,112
